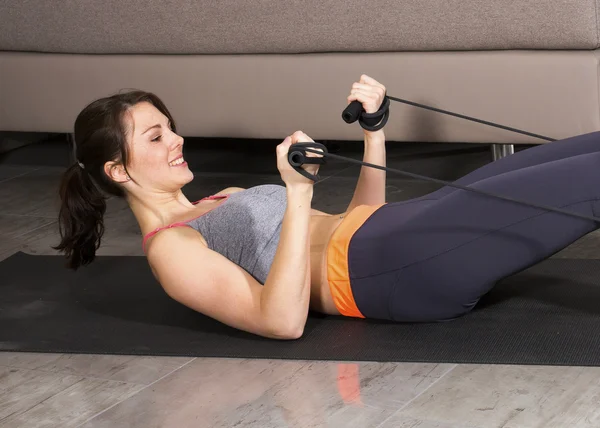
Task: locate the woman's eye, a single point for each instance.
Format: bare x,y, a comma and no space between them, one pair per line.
157,138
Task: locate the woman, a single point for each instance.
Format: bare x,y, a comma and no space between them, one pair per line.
257,259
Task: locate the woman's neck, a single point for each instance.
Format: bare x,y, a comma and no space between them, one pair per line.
158,210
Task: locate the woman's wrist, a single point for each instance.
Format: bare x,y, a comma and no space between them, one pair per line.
300,191
374,137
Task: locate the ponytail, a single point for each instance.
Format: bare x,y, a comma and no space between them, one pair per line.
80,218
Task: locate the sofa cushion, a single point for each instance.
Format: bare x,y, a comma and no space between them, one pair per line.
275,26
553,93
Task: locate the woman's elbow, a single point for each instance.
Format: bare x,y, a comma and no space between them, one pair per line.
294,334
290,334
284,331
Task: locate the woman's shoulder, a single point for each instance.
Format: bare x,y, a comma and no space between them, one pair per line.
164,242
229,190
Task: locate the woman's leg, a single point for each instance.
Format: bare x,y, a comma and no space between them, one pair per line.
433,259
547,152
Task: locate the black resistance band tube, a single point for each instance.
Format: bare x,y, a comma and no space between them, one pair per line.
355,112
297,154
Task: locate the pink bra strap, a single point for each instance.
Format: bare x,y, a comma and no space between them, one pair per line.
155,231
210,198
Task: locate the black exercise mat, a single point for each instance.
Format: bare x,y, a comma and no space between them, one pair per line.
547,314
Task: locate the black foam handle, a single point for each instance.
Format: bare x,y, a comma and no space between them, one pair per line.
352,112
297,157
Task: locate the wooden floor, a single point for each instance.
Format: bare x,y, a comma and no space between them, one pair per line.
67,390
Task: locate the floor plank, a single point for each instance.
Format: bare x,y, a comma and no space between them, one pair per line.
271,393
402,422
142,370
512,397
8,172
73,405
21,390
34,194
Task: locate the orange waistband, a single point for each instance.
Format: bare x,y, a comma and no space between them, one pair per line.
337,260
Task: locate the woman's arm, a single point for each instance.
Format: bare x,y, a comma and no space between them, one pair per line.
286,295
370,188
209,283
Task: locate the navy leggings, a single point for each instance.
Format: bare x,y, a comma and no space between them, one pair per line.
433,257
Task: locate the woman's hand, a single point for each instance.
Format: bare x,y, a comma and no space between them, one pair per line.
289,175
369,92
370,188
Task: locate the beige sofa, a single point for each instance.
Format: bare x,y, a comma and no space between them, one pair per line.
264,68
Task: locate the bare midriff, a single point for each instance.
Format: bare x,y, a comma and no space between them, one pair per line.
331,292
322,228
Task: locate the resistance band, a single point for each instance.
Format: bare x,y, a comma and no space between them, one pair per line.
297,154
355,112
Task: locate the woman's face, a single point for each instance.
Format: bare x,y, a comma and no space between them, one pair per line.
155,152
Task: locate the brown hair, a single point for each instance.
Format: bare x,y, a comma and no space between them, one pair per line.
100,136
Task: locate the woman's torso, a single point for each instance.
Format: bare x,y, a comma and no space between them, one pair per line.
210,222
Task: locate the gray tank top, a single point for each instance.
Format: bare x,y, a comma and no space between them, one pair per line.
245,227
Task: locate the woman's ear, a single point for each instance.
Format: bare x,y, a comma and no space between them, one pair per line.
116,172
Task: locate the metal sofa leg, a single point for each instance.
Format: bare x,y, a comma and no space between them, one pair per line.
502,150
